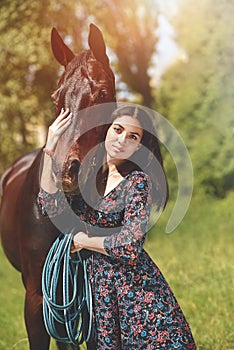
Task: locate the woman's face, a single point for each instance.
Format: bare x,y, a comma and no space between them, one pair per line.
123,138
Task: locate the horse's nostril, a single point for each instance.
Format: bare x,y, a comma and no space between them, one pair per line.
74,163
73,167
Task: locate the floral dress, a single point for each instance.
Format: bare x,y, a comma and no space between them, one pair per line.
134,308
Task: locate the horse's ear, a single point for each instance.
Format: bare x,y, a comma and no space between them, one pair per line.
97,44
61,52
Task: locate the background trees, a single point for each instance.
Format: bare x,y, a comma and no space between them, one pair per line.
28,71
132,30
195,94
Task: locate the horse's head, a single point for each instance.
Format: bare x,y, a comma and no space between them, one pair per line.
87,81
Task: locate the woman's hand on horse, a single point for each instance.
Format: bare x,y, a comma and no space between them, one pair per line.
57,128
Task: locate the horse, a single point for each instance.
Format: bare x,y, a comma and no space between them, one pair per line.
27,235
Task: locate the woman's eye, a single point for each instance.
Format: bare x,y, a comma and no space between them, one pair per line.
117,130
133,137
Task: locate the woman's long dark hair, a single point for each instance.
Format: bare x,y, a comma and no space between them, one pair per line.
147,158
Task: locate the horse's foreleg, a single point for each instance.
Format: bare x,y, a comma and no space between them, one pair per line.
38,337
63,346
91,345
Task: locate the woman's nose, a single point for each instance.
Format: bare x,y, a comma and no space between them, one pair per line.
122,137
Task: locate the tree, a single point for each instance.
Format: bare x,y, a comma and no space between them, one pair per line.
197,93
131,27
29,72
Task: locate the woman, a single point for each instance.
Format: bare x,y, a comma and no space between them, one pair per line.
134,308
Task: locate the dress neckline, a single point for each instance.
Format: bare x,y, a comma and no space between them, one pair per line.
119,183
114,188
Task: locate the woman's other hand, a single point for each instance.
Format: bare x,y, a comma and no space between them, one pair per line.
78,242
81,240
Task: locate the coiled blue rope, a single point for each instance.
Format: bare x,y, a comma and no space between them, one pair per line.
67,298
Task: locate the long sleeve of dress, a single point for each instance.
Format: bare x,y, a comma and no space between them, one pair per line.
55,204
122,217
52,204
128,242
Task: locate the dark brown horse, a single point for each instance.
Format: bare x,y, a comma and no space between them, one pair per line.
27,235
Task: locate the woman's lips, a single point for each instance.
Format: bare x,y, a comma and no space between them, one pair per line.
117,149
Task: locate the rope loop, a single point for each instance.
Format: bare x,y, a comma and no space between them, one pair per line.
67,298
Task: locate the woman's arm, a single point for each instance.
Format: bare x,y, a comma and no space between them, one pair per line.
82,240
56,129
128,242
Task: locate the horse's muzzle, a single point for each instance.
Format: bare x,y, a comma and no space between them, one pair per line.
66,176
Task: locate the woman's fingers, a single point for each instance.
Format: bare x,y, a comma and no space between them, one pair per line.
58,127
76,244
65,119
74,249
63,114
61,123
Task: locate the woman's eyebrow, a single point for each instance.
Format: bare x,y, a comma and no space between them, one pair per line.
135,133
132,132
118,125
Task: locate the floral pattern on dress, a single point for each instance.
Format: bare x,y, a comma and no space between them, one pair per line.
134,307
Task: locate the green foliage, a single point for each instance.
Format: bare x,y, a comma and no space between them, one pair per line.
197,93
29,71
22,59
130,29
196,259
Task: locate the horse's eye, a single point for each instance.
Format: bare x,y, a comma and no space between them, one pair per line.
103,94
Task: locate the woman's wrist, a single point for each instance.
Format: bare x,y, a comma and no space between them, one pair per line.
48,152
50,145
51,141
82,240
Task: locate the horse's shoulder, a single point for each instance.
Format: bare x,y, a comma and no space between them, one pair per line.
19,167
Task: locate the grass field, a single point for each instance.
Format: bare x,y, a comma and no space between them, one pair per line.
197,261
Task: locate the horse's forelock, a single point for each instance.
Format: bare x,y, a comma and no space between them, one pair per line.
74,89
64,94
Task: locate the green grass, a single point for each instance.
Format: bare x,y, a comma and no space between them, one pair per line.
197,261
